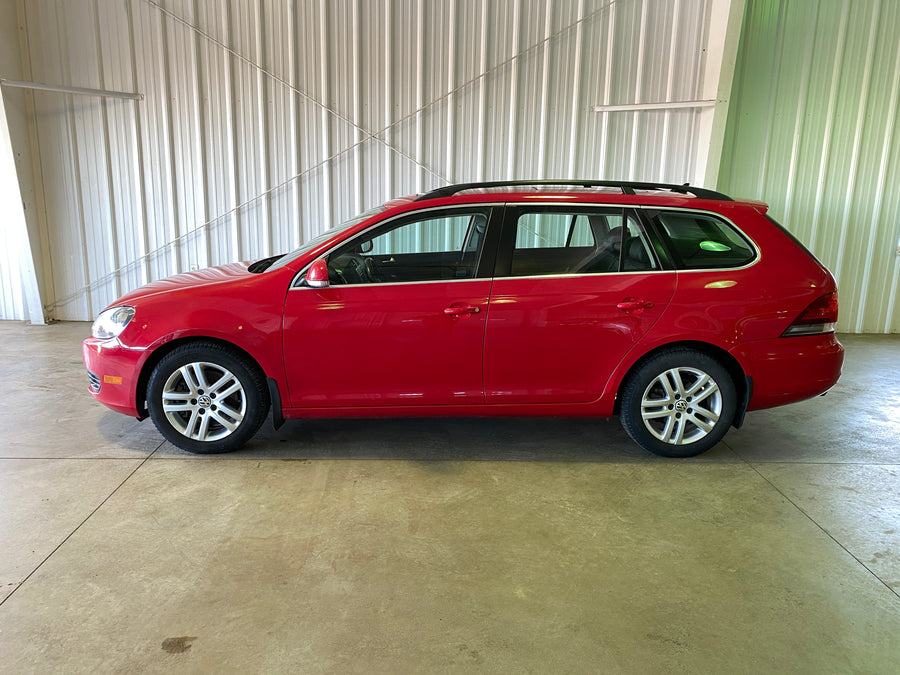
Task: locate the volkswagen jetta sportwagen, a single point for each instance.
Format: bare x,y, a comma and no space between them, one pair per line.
673,307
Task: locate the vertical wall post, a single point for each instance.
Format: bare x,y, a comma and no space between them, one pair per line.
726,21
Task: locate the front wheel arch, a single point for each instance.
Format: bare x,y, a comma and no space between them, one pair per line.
205,397
164,350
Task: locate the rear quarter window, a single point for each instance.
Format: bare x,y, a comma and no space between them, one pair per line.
702,241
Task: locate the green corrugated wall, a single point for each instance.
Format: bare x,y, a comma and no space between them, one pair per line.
813,132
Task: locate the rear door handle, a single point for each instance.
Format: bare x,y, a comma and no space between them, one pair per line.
455,310
630,303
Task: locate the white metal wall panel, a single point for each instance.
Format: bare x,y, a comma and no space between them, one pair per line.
10,281
12,300
266,121
813,132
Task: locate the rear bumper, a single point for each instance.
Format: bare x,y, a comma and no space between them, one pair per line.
790,369
112,371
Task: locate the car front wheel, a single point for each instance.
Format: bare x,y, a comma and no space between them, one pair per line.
679,403
206,398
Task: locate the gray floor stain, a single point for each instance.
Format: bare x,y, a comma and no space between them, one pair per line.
177,645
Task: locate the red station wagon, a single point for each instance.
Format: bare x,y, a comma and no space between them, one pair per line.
673,307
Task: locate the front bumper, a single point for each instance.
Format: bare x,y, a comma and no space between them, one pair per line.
789,369
113,371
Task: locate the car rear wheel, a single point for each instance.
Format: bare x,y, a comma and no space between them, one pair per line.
206,398
679,403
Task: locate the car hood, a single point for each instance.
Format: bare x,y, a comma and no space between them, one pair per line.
205,277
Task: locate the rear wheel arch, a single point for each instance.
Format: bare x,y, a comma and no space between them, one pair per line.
678,401
732,365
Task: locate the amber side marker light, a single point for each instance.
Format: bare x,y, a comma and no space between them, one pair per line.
820,317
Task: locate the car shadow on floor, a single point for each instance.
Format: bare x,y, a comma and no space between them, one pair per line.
446,439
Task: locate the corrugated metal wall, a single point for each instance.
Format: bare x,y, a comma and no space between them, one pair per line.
813,132
11,281
11,249
264,122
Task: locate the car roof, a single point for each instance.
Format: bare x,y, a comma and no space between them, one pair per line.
626,193
570,187
562,192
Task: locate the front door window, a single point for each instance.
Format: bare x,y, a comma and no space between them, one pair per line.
439,247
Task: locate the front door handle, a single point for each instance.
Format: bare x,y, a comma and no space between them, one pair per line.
630,304
456,310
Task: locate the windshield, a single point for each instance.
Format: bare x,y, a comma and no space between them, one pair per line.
279,262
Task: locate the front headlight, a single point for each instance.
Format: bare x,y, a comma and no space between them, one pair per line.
112,322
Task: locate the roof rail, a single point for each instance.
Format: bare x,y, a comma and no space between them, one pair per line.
627,187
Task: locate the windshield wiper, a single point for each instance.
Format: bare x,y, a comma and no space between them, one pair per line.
264,264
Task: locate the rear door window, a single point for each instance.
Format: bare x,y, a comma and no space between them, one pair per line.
555,241
702,241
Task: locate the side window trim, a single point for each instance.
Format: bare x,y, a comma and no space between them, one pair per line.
635,216
571,229
657,241
484,268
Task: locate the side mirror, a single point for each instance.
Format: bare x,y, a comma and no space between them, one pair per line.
317,274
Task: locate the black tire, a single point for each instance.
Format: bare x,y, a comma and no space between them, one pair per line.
206,398
679,403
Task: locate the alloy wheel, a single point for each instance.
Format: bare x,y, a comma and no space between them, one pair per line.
204,401
681,405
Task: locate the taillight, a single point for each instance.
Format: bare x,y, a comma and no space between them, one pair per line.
819,317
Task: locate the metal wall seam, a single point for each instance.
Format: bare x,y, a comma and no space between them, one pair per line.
545,95
511,135
878,202
228,150
829,123
138,183
388,166
295,226
774,75
325,122
607,88
803,100
670,87
420,94
173,224
452,56
74,146
482,93
858,137
638,91
263,235
109,207
576,92
356,104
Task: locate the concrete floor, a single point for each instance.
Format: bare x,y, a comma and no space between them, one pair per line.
404,546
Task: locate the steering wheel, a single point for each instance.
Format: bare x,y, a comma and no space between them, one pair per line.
372,271
350,269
